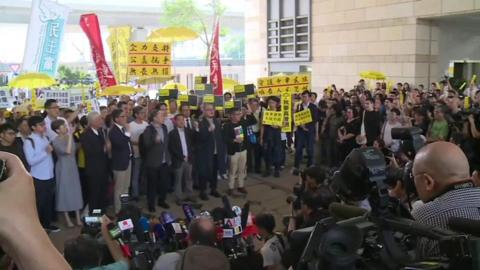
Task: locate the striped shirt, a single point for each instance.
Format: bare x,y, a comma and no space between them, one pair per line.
463,203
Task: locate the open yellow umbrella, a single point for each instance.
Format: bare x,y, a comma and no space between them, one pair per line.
180,87
32,80
120,90
373,75
172,34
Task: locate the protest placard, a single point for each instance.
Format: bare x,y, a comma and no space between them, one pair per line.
276,85
149,59
4,99
272,118
302,117
62,97
286,104
243,90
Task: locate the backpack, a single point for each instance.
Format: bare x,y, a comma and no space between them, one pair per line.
200,257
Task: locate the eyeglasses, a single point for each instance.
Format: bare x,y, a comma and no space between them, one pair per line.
54,107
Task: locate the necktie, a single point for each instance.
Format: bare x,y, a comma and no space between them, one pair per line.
188,123
123,130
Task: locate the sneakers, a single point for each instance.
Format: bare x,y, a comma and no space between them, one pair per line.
242,190
52,229
215,194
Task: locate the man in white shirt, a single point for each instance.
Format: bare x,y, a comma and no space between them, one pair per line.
38,153
393,121
136,128
275,244
53,112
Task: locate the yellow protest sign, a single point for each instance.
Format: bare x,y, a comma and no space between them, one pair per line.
302,117
149,59
209,99
164,92
239,88
276,85
183,98
229,104
286,112
199,87
474,77
118,42
272,118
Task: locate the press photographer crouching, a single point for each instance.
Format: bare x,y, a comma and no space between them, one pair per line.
443,182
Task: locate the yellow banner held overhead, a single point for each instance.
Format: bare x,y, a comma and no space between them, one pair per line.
118,42
302,117
209,99
272,118
149,59
276,85
286,112
183,98
229,104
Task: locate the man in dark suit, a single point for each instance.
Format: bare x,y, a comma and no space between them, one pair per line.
306,134
157,158
96,161
122,153
210,144
181,153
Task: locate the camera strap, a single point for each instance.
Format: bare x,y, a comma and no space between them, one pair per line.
457,186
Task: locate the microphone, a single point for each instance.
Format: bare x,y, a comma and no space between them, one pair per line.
145,227
228,207
115,234
245,212
465,225
188,211
342,211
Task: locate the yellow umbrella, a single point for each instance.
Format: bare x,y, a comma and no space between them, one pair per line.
373,75
120,90
229,84
154,79
32,80
172,34
180,87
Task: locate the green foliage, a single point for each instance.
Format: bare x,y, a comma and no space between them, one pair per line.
71,77
235,47
187,13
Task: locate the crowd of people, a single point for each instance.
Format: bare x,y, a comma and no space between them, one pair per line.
150,147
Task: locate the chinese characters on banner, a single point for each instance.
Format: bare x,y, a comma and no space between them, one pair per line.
62,97
45,33
272,118
302,117
4,99
118,42
90,25
286,112
215,66
276,85
147,59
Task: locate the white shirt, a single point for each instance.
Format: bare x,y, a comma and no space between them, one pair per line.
136,129
272,252
392,144
48,124
169,124
95,131
40,161
183,140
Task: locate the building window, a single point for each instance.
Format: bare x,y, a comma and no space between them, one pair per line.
288,30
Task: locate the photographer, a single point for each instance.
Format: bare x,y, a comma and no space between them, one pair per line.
21,235
442,179
275,244
201,253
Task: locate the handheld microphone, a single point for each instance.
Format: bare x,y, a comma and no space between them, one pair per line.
145,227
465,225
228,207
245,212
342,211
188,211
167,217
115,234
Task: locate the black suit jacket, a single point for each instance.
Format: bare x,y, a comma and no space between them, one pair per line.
96,159
175,147
121,149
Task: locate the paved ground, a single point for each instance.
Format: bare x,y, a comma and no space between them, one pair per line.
265,194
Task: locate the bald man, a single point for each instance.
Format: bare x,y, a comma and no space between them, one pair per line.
443,182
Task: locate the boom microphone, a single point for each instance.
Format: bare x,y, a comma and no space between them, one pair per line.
465,225
342,211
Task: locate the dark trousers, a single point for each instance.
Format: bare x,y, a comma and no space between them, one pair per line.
303,140
158,179
45,195
208,174
84,185
97,186
272,153
254,155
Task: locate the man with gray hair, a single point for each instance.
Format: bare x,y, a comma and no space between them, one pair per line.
96,167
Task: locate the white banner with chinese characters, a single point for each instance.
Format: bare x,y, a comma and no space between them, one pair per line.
4,99
45,33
